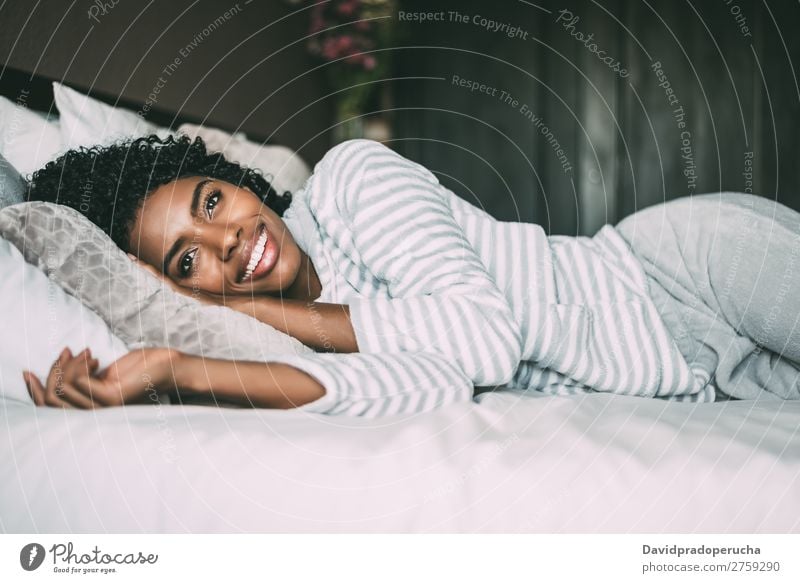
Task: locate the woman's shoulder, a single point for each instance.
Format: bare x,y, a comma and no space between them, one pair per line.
367,161
334,176
347,150
357,146
359,173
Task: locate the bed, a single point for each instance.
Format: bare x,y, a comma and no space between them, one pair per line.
509,461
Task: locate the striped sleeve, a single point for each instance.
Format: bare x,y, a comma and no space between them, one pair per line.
442,299
603,346
379,385
606,332
619,347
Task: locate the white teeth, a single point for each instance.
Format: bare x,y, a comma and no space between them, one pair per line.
255,257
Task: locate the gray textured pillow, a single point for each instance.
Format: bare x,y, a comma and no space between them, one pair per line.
139,308
12,185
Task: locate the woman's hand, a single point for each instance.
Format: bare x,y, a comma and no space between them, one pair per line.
202,296
74,382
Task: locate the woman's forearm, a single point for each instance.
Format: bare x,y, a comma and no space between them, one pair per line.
323,327
250,384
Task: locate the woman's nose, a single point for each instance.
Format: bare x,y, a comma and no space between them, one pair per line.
226,239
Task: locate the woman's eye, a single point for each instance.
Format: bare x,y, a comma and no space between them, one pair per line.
186,263
212,201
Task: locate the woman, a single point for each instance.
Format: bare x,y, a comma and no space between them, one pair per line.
412,296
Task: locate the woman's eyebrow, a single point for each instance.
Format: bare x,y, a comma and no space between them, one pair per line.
176,246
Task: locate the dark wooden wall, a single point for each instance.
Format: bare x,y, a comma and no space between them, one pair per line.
619,136
738,89
251,73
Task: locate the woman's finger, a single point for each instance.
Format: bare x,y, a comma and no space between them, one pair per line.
57,400
56,376
71,364
72,394
35,388
45,399
58,392
91,390
97,390
73,369
54,386
77,366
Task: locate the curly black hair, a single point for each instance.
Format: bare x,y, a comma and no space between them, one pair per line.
108,184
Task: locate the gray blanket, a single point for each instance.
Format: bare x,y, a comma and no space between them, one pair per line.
724,272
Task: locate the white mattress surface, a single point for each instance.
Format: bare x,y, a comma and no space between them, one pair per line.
511,463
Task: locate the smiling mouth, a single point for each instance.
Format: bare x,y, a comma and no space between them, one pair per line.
256,254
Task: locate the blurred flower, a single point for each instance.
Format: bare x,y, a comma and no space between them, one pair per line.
348,8
347,29
347,36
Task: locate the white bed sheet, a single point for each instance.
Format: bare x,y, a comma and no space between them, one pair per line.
511,463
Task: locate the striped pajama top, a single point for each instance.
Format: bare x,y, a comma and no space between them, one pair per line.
444,298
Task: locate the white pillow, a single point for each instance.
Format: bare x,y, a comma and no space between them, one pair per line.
39,320
12,186
27,140
88,122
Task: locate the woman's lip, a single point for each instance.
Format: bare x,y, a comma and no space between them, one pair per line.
268,259
247,253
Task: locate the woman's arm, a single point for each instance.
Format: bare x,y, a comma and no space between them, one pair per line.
142,375
369,385
324,327
270,385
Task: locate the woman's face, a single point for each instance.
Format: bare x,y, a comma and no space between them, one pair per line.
213,236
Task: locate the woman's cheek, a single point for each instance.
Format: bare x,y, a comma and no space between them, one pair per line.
217,285
199,281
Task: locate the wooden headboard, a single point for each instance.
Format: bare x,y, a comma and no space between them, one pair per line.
36,92
236,66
